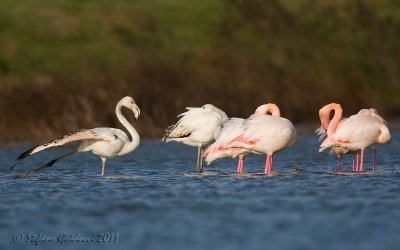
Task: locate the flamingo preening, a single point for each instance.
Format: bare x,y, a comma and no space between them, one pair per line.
197,127
266,134
231,130
219,149
104,142
354,133
323,132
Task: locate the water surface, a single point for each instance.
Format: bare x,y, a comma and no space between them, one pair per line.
151,199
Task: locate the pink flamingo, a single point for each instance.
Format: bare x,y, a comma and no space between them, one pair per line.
266,134
323,132
230,130
355,133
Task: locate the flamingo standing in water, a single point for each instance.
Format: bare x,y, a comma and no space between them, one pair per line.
197,127
373,112
230,130
339,151
104,142
266,134
355,133
323,132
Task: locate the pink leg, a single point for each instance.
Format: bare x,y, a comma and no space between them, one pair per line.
361,160
339,164
238,166
270,165
357,161
373,159
241,164
266,165
352,162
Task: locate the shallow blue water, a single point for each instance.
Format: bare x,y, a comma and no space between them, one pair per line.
151,199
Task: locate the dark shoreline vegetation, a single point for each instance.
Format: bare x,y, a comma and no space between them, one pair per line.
65,64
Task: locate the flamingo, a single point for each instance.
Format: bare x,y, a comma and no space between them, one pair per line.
322,131
104,142
266,134
355,133
230,130
373,112
197,127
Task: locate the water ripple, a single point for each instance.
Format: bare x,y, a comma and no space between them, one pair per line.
155,201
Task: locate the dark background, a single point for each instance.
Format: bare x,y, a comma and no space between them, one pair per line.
64,64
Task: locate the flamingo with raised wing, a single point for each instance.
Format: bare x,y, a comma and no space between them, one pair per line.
197,127
104,142
266,134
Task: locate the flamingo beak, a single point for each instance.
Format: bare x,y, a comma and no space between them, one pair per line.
136,111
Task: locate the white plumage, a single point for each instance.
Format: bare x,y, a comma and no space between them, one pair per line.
104,142
197,127
270,134
358,132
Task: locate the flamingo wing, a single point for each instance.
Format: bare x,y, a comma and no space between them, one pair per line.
321,133
266,126
230,130
357,131
105,134
266,134
195,122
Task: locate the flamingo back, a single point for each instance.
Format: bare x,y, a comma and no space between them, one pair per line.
270,134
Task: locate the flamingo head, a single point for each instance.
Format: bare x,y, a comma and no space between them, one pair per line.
373,111
325,112
268,108
212,108
128,102
366,112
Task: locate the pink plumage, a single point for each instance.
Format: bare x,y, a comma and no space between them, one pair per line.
220,149
266,134
355,133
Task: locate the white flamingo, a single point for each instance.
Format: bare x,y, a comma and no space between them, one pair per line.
219,149
355,133
266,134
104,142
197,127
373,112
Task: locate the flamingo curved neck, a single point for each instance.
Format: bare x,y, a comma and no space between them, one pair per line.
385,136
268,108
135,139
335,120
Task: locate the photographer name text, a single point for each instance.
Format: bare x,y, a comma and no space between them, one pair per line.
65,238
